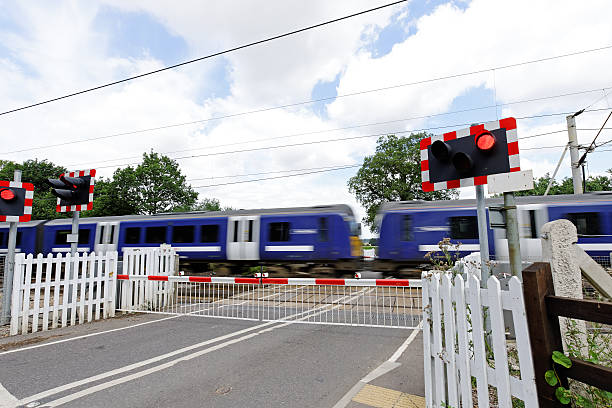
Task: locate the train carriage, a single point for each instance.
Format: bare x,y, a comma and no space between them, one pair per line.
320,235
409,230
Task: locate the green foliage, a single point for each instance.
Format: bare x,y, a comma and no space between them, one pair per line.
598,349
36,172
156,185
599,183
551,378
392,173
561,359
563,395
206,204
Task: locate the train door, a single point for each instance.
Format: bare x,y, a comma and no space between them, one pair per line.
243,238
107,235
531,217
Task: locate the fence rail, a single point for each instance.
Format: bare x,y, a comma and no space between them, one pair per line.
366,302
60,290
543,309
458,344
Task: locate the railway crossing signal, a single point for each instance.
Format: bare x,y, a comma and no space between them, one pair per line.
16,201
74,191
466,157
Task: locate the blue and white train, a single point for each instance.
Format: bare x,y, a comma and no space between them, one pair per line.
411,229
321,235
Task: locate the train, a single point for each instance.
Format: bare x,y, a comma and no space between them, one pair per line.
299,239
409,230
324,240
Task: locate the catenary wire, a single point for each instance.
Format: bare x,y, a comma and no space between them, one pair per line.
279,177
169,126
216,54
331,140
266,172
593,142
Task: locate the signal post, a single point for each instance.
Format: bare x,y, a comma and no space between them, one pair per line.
475,156
16,200
74,192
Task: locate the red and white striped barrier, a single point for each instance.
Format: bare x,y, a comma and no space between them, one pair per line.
415,283
201,279
343,282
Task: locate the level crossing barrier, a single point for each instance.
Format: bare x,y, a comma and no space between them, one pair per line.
356,302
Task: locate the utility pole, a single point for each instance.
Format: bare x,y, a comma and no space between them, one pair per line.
9,268
573,146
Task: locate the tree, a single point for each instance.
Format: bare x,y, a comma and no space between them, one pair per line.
566,186
154,186
392,173
36,172
206,204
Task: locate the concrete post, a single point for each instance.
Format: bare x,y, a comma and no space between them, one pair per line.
559,249
573,145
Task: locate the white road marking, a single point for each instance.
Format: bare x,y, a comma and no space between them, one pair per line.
85,336
71,397
382,369
62,388
168,364
7,399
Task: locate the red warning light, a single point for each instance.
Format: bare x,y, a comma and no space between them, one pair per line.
485,141
7,194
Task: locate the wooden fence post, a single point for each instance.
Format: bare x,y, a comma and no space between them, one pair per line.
544,331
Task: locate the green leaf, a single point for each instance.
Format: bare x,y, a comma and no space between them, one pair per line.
563,395
551,378
608,395
561,359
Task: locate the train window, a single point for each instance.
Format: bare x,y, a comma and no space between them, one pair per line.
532,224
132,235
235,231
101,237
587,223
155,235
279,231
323,230
19,236
250,234
61,237
183,234
111,238
464,227
3,239
209,233
407,228
84,236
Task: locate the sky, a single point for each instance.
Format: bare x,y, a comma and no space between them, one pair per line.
204,113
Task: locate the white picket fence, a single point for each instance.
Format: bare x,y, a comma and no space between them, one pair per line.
455,343
147,294
41,288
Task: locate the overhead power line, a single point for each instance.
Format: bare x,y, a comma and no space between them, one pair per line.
331,140
279,177
169,126
593,142
216,54
267,172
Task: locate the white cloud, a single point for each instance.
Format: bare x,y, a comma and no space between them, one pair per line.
57,48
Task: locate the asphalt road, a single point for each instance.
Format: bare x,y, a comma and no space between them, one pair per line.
193,361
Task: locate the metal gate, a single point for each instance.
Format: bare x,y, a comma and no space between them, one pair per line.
356,302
